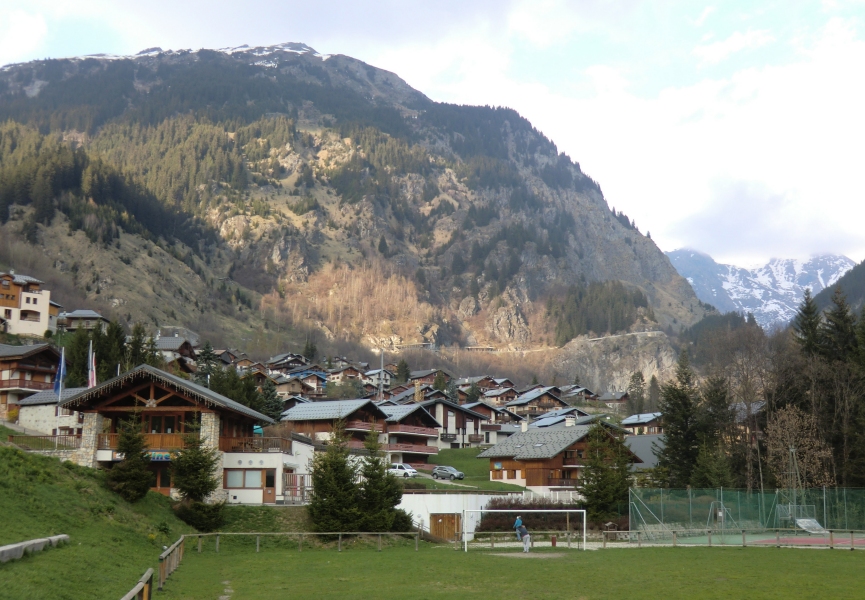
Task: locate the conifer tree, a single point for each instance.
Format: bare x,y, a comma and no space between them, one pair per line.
440,383
714,414
131,477
679,401
473,394
402,371
382,246
606,477
136,349
206,364
310,351
152,355
712,469
654,395
334,505
76,357
838,330
452,392
380,492
806,325
636,393
112,351
193,468
271,403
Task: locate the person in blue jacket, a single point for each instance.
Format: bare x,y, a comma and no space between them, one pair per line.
517,524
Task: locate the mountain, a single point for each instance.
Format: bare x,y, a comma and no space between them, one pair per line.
259,193
771,292
852,283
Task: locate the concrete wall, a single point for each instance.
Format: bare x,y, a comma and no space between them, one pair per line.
423,505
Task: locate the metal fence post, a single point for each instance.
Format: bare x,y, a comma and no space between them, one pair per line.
492,542
258,543
710,537
831,540
852,541
639,539
744,543
604,533
217,542
339,544
199,544
416,540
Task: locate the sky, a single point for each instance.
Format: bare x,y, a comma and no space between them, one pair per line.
732,128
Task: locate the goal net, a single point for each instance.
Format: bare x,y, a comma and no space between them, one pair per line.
566,530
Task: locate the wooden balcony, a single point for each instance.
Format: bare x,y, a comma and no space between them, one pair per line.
490,427
154,441
363,426
412,448
255,444
25,384
413,430
448,437
45,443
475,438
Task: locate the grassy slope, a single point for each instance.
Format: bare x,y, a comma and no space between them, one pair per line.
439,572
477,470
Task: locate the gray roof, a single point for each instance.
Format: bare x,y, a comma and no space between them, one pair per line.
495,409
83,314
640,418
22,279
450,404
643,447
329,410
424,373
536,443
49,397
574,390
207,395
498,392
559,421
8,351
612,396
531,395
397,413
169,343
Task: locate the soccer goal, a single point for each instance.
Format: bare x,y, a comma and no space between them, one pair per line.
472,517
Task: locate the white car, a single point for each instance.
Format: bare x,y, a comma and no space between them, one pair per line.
402,470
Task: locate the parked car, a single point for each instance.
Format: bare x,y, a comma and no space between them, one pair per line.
442,472
402,470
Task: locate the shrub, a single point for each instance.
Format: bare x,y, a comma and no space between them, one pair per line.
204,517
413,485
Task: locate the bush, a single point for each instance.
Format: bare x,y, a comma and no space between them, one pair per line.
402,521
532,521
204,517
413,485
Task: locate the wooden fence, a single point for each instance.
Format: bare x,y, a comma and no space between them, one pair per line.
170,560
143,590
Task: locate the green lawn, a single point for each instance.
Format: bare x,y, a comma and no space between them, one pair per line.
5,432
477,470
440,572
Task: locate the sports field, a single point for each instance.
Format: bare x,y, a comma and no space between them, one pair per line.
239,572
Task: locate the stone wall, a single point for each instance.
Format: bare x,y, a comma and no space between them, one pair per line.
42,418
210,424
92,427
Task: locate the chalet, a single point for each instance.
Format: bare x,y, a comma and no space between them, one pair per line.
317,420
411,433
500,424
536,402
504,382
392,367
41,412
379,376
615,400
82,319
286,362
177,351
576,394
230,356
292,401
292,386
570,415
428,376
25,307
252,468
482,382
460,427
344,375
500,396
542,460
25,370
644,423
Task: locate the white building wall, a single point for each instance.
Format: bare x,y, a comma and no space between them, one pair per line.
41,418
421,506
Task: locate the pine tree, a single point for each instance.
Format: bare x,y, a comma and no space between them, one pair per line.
76,358
715,416
380,492
206,364
402,371
440,383
577,379
712,469
112,351
606,477
131,477
860,339
636,393
654,398
152,355
334,503
679,407
310,351
136,352
473,394
838,330
452,392
193,468
806,325
534,380
271,403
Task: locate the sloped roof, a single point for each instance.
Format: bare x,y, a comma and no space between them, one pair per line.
532,395
9,351
21,279
169,343
612,396
496,409
536,443
397,413
450,404
425,372
204,394
644,447
49,397
498,392
84,313
329,410
640,418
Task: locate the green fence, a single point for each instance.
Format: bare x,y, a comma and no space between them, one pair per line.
736,509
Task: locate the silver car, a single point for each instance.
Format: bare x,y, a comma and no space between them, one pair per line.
443,472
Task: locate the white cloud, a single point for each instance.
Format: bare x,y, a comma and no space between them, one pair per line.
21,33
704,15
716,52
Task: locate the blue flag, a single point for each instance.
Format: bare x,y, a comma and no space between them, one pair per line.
61,373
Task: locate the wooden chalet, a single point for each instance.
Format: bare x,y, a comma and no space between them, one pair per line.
500,396
536,402
542,460
411,433
644,424
428,376
317,419
459,426
344,375
25,370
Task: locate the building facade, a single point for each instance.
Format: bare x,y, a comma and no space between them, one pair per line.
25,306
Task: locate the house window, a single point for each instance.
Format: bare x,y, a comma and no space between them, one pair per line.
35,300
244,478
27,300
233,478
7,314
487,437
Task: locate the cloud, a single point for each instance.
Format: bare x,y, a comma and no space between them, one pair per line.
704,15
716,52
21,33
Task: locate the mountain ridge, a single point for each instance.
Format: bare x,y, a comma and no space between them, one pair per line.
771,292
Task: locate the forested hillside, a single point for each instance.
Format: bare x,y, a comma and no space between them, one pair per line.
321,193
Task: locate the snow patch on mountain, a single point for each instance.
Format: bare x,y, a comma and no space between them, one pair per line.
772,292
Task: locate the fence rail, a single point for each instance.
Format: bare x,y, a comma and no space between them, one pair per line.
771,538
143,590
42,443
170,560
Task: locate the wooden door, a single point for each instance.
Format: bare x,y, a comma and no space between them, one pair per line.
447,526
269,485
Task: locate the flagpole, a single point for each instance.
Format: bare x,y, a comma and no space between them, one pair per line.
60,373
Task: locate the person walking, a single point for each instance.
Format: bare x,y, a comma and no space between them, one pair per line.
524,535
517,525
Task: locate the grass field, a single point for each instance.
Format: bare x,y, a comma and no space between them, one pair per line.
439,572
477,470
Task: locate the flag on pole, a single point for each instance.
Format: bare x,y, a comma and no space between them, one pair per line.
61,373
91,367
